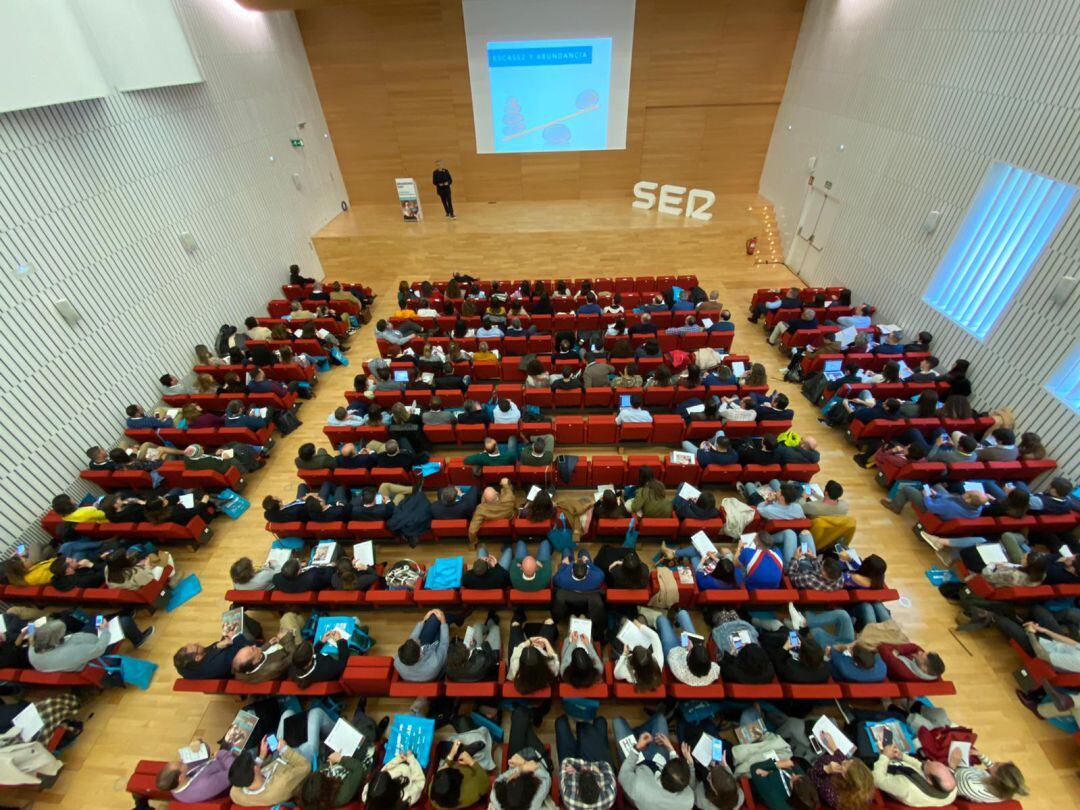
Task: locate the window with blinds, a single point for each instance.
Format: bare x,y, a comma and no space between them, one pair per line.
1013,217
1065,384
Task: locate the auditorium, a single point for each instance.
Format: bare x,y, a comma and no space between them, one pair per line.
377,436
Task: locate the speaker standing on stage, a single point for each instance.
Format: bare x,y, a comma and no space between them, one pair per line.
442,180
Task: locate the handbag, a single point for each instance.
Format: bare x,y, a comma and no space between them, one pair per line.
631,534
561,536
232,503
286,422
338,357
131,671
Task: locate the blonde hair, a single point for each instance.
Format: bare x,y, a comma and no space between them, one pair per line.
854,787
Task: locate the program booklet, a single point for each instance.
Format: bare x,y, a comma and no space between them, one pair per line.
751,732
682,457
581,625
191,754
343,738
324,554
825,725
364,553
232,623
243,725
708,750
330,629
702,543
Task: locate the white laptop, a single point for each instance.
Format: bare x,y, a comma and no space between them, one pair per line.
834,370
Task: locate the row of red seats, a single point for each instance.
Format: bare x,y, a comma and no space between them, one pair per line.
89,676
592,429
205,437
934,471
619,284
888,428
420,596
811,337
280,307
543,340
900,390
543,343
806,294
195,531
146,596
297,292
367,675
589,472
517,528
822,313
815,361
508,369
655,396
565,319
217,403
993,526
175,474
980,587
281,372
309,346
375,676
332,325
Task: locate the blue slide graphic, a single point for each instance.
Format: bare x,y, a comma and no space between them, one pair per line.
550,94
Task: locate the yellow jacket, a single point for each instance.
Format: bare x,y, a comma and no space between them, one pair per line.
40,573
86,514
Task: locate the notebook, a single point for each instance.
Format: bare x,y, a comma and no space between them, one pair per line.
825,725
689,492
343,738
702,543
631,636
992,553
738,368
364,553
581,625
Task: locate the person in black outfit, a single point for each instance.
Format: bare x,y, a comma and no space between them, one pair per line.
809,667
452,506
290,579
316,666
486,575
442,181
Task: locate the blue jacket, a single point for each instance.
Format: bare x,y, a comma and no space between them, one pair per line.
769,569
844,669
564,578
951,507
250,422
143,422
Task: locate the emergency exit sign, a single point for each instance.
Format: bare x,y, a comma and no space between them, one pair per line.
297,142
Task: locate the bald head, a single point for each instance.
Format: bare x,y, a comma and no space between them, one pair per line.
490,495
529,566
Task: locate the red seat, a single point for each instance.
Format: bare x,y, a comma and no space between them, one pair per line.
600,429
571,398
667,429
635,431
597,398
569,430
608,470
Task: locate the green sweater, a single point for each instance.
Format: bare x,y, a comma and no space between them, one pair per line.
537,583
542,460
475,785
503,458
770,789
352,772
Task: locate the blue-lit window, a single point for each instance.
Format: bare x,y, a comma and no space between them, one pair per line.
1013,217
1065,384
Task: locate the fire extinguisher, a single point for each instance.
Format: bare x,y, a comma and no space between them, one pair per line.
751,246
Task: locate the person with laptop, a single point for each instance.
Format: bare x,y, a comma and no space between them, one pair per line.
630,410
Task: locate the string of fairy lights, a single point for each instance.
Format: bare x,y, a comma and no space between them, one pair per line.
768,247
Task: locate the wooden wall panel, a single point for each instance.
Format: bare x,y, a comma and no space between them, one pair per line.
394,83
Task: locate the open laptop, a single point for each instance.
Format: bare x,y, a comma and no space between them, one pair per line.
624,400
834,370
401,375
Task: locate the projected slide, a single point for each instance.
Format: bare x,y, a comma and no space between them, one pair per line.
549,75
550,94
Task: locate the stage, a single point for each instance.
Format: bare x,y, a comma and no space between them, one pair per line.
550,239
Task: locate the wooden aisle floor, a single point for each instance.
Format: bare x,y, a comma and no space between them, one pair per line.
551,239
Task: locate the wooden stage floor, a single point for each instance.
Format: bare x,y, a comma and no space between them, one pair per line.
544,239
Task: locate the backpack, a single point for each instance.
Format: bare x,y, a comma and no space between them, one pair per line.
813,387
789,438
286,422
222,342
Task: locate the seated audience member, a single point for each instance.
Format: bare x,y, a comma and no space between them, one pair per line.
580,664
903,660
939,502
55,647
488,573
138,420
459,780
763,567
533,663
199,781
368,507
506,413
857,665
435,415
640,665
801,663
342,417
353,575
245,577
259,663
660,777
651,500
623,568
925,783
294,578
579,575
586,769
610,507
691,663
454,504
779,502
806,322
775,409
275,511
493,455
633,411
69,512
309,664
758,451
478,661
702,507
236,418
422,656
569,379
831,505
805,452
999,446
540,452
472,413
527,781
893,344
985,781
494,505
69,574
269,780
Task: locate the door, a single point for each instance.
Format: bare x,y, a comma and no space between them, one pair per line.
820,212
